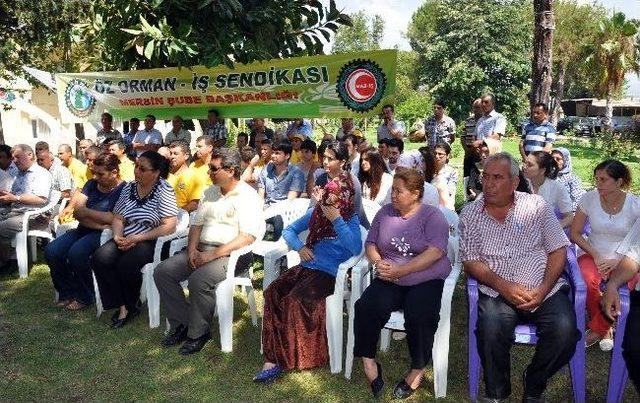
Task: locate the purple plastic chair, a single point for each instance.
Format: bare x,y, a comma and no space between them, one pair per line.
618,370
526,334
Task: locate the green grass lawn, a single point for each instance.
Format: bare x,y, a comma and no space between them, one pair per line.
49,354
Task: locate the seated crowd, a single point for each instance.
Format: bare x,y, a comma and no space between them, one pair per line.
126,191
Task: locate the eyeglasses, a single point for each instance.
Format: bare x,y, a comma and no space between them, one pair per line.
214,169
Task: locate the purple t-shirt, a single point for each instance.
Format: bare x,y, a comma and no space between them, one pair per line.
399,240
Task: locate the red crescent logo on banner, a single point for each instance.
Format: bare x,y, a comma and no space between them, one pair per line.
361,85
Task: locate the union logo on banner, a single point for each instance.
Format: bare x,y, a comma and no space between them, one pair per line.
78,99
361,85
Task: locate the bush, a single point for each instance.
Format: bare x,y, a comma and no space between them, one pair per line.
614,145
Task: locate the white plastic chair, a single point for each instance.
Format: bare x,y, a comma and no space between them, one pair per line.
225,289
370,209
271,251
148,285
27,236
59,229
440,351
334,303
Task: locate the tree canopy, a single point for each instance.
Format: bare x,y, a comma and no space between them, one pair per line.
365,33
133,34
467,48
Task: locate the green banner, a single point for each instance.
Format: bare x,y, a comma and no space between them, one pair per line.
353,84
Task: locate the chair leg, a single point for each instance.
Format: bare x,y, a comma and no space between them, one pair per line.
271,270
22,254
618,373
224,302
99,309
251,301
385,339
152,295
334,332
33,247
440,351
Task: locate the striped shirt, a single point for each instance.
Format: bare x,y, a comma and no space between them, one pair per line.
517,249
144,214
536,136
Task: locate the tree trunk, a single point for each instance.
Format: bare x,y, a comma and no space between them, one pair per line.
542,49
555,111
607,125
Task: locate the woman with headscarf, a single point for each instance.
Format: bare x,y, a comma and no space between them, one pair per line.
294,332
567,177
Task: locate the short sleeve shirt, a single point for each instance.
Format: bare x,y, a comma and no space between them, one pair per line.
78,172
126,169
537,136
439,131
556,195
182,135
187,185
61,176
218,131
152,136
399,240
277,187
202,170
384,133
516,249
100,201
35,181
494,122
608,231
104,136
144,214
223,217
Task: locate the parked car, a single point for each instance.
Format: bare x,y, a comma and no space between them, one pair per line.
582,126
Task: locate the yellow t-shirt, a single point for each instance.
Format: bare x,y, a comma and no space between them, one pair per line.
126,170
296,156
202,170
79,171
187,185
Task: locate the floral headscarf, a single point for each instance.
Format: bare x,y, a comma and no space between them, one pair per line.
339,193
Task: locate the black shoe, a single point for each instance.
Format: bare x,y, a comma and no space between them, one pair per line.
402,390
121,322
114,317
377,385
177,336
531,399
194,345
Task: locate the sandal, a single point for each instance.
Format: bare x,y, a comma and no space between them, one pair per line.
63,302
76,306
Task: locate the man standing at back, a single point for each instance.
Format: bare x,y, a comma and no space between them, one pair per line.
513,244
491,124
439,127
539,134
177,133
149,138
134,125
107,133
389,127
216,128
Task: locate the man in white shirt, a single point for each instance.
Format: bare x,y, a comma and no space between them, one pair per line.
177,133
491,124
147,139
8,170
61,176
223,223
390,128
29,190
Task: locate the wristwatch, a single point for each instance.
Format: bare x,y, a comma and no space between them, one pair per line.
18,199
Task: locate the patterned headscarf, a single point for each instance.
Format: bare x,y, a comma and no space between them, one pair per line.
566,156
339,193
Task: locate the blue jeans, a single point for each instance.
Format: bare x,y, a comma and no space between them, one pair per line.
68,257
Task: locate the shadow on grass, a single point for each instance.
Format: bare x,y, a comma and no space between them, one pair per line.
51,354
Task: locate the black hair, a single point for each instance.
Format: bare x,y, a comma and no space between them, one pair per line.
308,144
109,116
6,150
440,102
542,105
616,170
283,146
134,120
389,106
214,111
545,160
396,143
341,152
157,162
151,117
243,134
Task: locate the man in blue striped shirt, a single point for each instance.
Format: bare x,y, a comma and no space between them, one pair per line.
538,134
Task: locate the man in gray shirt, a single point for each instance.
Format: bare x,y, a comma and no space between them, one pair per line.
390,128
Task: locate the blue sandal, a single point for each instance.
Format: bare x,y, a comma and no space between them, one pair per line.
268,375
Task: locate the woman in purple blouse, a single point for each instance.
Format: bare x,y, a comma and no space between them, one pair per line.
407,246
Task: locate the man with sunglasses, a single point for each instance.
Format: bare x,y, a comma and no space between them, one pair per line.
439,127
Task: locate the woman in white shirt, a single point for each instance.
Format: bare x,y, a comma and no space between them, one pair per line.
541,170
374,177
611,212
